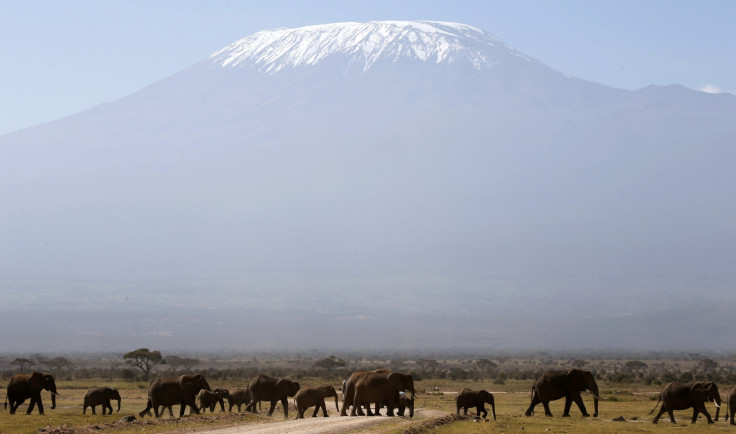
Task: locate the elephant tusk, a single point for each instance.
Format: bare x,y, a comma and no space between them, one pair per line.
54,393
716,404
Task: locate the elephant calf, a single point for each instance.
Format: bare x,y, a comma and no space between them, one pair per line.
314,396
475,398
100,396
207,399
238,397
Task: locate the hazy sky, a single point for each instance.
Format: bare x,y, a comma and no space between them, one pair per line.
61,57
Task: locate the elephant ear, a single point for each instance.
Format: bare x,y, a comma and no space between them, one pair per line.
36,380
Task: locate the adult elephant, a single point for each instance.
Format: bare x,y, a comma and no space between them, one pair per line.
265,388
238,397
314,396
554,385
348,389
731,404
24,386
475,398
171,391
381,388
681,396
100,396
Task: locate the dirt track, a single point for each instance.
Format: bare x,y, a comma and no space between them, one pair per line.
332,424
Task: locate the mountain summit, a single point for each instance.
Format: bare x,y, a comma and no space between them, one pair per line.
417,184
361,45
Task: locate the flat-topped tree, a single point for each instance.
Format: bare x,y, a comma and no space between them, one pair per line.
144,359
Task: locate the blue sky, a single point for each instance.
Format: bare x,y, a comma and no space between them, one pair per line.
61,57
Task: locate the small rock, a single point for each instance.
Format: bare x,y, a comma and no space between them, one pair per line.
634,418
620,419
129,418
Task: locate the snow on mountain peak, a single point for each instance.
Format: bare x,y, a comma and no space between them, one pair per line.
364,44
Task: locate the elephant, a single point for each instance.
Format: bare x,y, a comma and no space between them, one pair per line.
554,385
207,399
681,396
348,389
731,405
24,386
381,388
404,403
475,398
314,396
100,396
238,397
171,391
264,388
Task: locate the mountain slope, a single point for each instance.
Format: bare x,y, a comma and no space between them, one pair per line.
413,173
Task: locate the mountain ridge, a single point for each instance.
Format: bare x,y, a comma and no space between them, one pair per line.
455,204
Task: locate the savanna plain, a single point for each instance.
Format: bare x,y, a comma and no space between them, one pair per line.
629,388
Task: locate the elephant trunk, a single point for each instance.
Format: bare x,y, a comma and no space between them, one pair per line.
411,407
595,402
119,404
336,406
53,399
717,402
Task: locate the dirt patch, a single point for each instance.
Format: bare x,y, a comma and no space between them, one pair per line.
431,424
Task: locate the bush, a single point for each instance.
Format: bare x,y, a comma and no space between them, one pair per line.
499,380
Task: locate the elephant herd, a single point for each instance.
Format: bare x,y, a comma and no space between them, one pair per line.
363,389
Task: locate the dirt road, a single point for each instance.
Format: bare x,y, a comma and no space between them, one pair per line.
332,424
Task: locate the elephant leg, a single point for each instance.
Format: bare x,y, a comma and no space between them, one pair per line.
94,410
661,411
273,406
324,409
568,404
285,403
481,411
581,405
316,409
547,413
703,410
530,410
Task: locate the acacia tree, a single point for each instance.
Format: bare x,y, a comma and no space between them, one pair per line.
635,365
23,363
175,362
328,363
144,359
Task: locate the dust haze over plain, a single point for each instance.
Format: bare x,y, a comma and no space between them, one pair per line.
383,185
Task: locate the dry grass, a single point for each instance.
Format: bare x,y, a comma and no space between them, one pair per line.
631,402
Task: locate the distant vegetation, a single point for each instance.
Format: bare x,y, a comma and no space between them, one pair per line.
650,369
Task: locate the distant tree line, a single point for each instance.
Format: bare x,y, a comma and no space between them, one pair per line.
140,364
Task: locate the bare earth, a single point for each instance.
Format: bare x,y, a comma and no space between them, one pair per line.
332,424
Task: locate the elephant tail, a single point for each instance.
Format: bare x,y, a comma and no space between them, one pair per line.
5,406
657,404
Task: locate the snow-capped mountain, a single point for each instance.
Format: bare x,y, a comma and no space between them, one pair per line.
363,44
418,173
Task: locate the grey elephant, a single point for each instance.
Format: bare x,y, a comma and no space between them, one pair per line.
25,386
681,396
553,385
314,396
238,397
265,388
381,388
100,396
475,398
348,389
209,399
171,391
